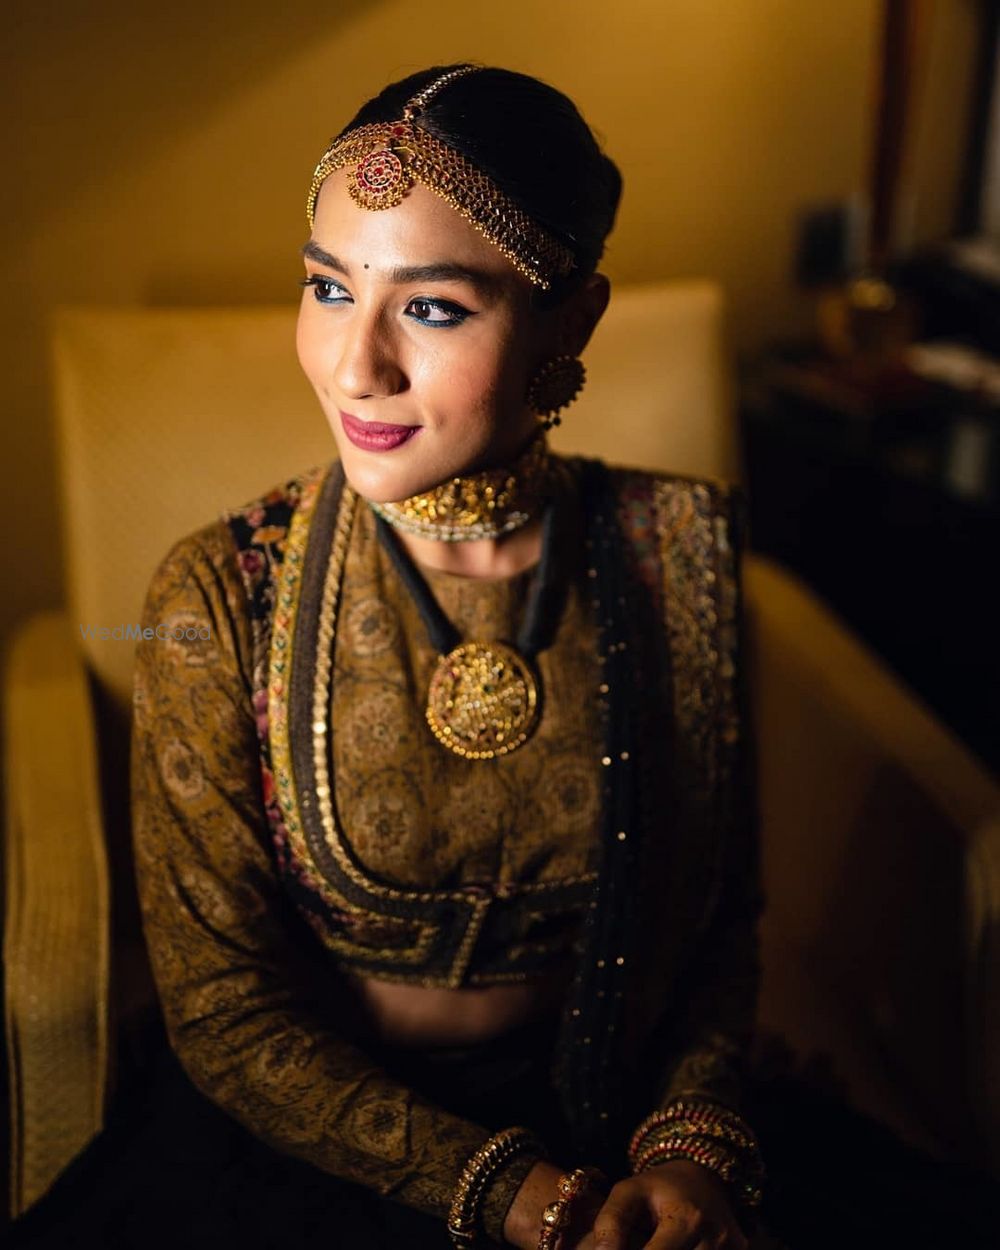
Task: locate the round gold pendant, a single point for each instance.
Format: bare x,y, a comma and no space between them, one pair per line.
483,700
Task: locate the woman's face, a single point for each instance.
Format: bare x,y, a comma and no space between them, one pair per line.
411,319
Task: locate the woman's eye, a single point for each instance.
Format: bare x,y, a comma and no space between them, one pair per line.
324,289
424,310
429,312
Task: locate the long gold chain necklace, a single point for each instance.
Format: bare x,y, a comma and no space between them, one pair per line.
484,698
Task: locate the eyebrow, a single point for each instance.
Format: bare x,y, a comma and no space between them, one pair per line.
486,283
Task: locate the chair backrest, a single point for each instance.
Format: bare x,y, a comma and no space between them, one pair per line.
166,417
169,416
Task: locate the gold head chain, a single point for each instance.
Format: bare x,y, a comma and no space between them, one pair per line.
389,157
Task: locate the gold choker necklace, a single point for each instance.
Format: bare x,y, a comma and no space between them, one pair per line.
479,505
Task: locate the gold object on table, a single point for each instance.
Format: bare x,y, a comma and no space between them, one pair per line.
866,322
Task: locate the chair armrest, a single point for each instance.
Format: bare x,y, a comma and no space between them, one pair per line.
880,936
57,923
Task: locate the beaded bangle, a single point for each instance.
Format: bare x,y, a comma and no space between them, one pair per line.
706,1133
731,1138
719,1160
739,1138
695,1117
701,1113
747,1192
556,1215
463,1215
748,1162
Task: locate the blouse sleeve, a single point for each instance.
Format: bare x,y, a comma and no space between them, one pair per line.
245,999
717,996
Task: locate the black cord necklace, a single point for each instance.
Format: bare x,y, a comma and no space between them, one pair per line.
484,697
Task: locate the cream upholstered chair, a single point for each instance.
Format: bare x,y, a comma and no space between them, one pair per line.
164,418
881,861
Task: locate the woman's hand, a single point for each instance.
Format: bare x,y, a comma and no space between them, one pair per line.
673,1206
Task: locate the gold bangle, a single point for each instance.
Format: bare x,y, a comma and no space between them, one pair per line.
699,1115
745,1189
556,1215
722,1132
708,1154
463,1215
703,1132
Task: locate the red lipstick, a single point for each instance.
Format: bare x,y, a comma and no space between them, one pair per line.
375,435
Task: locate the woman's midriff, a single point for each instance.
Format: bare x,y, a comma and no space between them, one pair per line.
415,1015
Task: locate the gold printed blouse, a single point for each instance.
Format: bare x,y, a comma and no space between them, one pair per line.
520,830
294,816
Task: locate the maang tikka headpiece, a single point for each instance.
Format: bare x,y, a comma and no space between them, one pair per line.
388,157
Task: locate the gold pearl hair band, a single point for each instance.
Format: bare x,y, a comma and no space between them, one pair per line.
387,158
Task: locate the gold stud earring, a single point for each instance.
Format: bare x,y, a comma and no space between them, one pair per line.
555,385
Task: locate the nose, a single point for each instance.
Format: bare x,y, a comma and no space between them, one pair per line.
367,363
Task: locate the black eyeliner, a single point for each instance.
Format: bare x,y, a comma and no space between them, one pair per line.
457,311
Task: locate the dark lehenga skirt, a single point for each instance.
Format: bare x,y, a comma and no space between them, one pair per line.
172,1171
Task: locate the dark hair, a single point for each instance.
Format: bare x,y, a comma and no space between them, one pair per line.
531,140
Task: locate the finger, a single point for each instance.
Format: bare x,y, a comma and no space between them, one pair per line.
678,1229
623,1208
676,1239
715,1238
728,1238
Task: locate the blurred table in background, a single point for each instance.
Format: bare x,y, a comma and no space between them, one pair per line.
883,493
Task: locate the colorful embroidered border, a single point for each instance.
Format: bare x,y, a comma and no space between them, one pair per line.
701,609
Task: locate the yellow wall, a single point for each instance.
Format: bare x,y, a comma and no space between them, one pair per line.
160,153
